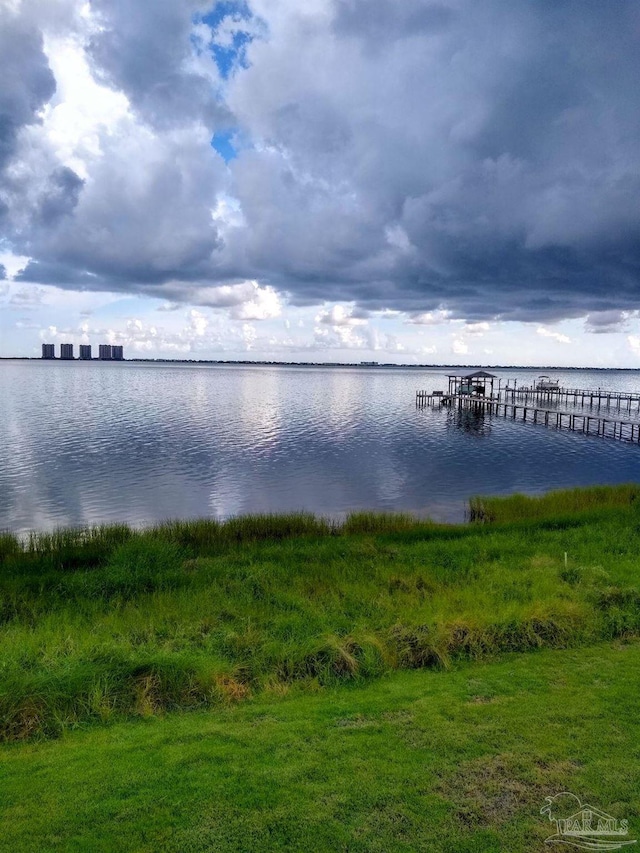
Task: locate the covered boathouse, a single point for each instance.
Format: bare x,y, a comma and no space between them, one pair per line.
478,384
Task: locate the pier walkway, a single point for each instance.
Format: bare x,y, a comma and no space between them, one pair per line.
589,424
619,400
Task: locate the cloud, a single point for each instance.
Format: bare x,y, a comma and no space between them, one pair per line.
338,337
343,327
135,210
59,197
249,335
245,300
428,318
387,21
156,60
634,344
141,220
141,337
449,160
348,329
341,316
26,297
263,304
198,322
27,80
556,336
478,329
606,322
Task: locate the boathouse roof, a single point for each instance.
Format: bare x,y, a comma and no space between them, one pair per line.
480,374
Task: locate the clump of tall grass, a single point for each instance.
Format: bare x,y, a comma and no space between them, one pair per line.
203,613
90,547
332,658
64,549
9,544
435,646
379,522
565,501
207,536
111,682
111,686
141,564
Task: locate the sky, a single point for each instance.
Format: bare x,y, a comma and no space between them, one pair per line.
401,181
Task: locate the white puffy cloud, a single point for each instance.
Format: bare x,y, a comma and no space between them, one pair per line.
263,304
340,316
634,344
478,329
340,327
556,336
428,318
198,322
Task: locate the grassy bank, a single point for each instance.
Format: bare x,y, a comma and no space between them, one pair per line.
446,762
104,624
553,504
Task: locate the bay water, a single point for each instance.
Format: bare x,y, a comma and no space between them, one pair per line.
86,443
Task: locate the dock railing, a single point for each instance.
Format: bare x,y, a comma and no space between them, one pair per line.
585,422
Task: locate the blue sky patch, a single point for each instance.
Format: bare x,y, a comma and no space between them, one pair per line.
230,54
230,57
238,10
223,143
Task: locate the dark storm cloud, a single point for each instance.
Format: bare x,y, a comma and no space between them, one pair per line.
144,51
478,157
606,322
60,275
26,81
499,144
60,196
386,19
142,219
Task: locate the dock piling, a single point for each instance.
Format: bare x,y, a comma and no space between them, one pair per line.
606,427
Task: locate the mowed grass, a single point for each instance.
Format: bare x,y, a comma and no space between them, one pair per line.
111,623
458,761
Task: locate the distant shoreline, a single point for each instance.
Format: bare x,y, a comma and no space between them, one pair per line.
382,365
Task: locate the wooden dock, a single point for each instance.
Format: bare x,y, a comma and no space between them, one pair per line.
589,424
619,400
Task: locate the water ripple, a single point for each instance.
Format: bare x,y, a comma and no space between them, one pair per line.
91,443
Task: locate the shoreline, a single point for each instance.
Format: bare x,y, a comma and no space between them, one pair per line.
475,508
382,365
207,611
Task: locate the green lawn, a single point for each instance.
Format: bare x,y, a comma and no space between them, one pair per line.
437,761
283,683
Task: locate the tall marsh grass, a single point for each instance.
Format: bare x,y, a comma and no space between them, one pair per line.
109,622
565,501
90,547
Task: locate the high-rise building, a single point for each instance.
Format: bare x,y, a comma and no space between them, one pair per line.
104,351
117,353
48,351
85,351
66,351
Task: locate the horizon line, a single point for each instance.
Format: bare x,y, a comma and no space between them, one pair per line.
274,363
